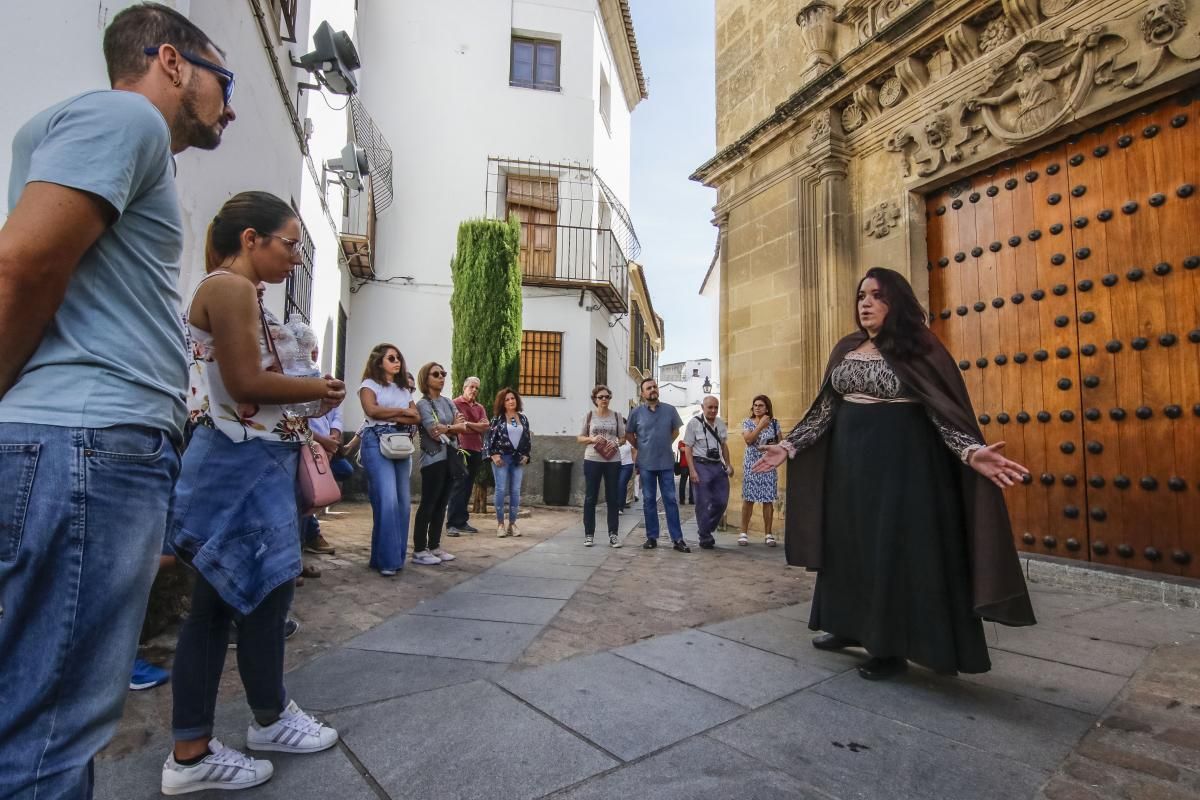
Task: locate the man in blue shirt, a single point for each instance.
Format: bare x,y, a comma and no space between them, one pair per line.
92,381
652,429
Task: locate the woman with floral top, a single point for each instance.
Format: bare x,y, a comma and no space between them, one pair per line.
234,515
759,429
896,501
509,443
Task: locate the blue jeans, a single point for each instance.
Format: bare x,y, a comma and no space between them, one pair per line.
626,475
82,516
508,484
391,501
653,482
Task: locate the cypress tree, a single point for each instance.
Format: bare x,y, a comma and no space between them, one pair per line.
485,306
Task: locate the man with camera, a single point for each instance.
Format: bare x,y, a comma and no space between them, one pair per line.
709,468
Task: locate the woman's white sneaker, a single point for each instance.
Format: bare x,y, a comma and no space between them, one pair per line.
293,732
443,555
425,558
222,768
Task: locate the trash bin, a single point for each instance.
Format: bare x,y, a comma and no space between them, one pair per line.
556,481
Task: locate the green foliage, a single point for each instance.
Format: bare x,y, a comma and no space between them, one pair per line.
486,306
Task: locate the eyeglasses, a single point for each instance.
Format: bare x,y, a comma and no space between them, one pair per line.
604,397
436,374
295,245
224,76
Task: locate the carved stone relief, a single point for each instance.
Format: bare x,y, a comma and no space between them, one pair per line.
853,117
1053,8
964,44
936,140
891,92
818,31
881,219
1023,14
866,97
869,17
912,73
820,127
1023,97
997,32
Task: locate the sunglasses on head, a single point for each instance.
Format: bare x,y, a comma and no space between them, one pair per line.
224,76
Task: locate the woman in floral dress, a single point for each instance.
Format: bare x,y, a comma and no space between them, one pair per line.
759,430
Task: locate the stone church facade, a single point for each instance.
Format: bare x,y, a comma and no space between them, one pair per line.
1030,165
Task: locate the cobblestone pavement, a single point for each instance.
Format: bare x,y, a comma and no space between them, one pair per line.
1148,745
346,600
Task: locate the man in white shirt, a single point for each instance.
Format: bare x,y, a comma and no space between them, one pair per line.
705,440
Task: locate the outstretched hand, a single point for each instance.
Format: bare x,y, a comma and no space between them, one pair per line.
1001,471
772,456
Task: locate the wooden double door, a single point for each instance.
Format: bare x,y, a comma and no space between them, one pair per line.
1067,286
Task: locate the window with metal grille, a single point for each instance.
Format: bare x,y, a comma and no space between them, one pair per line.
534,63
541,363
299,284
601,364
339,358
285,12
638,338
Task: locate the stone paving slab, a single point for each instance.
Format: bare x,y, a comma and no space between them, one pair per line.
1134,623
491,607
1025,730
531,568
625,708
1076,649
850,753
350,677
469,742
1050,681
698,769
518,586
1050,604
575,556
798,612
326,774
448,637
746,675
786,637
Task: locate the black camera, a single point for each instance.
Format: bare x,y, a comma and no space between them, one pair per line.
713,454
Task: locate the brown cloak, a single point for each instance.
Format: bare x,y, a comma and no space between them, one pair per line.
997,583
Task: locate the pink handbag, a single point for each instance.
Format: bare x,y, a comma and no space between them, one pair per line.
317,485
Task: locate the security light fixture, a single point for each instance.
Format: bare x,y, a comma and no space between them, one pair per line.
351,168
333,62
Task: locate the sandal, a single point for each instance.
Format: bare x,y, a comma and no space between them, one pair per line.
770,540
743,539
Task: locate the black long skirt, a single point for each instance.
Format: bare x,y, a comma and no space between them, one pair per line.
895,574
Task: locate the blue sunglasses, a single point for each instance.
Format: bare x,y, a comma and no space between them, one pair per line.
226,84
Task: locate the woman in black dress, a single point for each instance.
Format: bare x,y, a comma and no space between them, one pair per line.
888,499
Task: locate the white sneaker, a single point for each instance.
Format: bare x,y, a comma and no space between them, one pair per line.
293,732
501,531
222,768
425,558
614,540
443,555
513,530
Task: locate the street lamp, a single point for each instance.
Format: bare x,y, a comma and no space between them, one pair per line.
707,386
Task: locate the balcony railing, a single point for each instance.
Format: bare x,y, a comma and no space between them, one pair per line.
361,208
575,233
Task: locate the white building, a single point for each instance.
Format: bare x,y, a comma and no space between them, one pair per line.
495,108
269,147
686,383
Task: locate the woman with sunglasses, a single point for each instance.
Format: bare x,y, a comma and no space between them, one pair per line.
603,433
509,443
440,425
388,407
234,515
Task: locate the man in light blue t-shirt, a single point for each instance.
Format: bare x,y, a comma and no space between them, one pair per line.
92,382
651,429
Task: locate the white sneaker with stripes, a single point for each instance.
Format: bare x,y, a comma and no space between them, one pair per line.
293,732
222,768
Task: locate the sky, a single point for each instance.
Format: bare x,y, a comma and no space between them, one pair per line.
673,133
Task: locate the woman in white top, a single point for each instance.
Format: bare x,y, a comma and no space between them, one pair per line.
603,430
389,409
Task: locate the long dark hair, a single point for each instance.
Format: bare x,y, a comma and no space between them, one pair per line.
374,369
905,332
260,211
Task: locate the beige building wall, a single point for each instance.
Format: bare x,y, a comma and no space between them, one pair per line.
835,118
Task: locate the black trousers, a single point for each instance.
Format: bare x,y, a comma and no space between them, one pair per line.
431,513
460,493
686,490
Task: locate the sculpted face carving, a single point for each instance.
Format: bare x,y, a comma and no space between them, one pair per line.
1162,20
937,131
